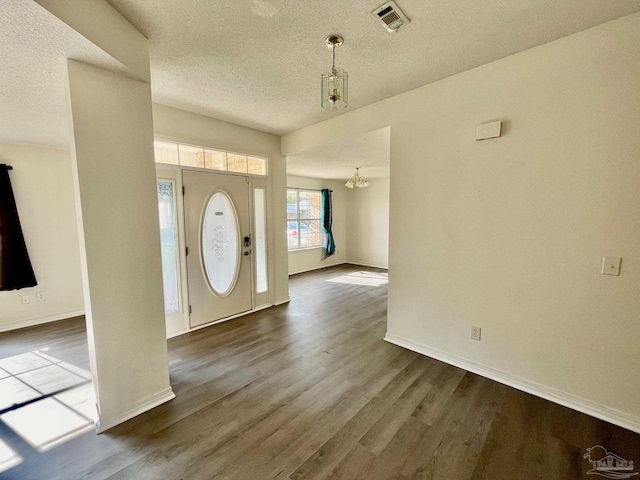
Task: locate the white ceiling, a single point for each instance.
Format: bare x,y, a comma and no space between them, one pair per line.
370,151
257,62
33,47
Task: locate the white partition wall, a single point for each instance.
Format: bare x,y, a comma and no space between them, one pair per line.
115,187
508,234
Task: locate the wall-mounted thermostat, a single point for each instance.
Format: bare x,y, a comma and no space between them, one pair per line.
488,130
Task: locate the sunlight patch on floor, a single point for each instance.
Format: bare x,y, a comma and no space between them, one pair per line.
15,392
8,458
45,401
46,423
24,363
81,399
372,279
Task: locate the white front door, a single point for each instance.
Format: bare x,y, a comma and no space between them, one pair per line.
219,245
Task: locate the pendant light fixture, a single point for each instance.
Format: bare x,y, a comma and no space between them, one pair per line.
334,82
357,181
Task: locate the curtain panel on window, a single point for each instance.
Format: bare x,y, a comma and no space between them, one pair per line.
329,247
15,267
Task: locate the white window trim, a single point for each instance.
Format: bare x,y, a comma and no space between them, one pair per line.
298,220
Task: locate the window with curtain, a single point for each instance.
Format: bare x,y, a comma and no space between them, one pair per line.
304,219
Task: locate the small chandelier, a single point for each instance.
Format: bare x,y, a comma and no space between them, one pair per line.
335,82
357,181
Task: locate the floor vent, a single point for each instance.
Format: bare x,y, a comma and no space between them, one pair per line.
390,17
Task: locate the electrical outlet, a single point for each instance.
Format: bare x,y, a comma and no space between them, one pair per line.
41,296
475,333
26,299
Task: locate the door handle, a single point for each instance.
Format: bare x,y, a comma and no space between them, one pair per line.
248,252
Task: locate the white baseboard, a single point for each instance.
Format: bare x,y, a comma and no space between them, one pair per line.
607,414
39,320
262,307
315,267
177,333
134,410
281,301
358,264
226,319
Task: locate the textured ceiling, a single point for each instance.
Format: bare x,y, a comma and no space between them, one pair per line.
257,62
33,47
370,151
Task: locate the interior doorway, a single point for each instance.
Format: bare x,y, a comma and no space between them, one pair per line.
360,210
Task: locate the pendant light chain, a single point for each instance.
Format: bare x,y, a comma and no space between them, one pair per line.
333,61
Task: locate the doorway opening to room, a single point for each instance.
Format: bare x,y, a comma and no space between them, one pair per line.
355,172
214,234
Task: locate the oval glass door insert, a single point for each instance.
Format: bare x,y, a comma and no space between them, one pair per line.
220,242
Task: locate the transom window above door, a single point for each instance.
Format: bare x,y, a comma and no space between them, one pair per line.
200,157
304,219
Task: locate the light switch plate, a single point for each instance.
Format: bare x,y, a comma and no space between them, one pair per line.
611,265
26,299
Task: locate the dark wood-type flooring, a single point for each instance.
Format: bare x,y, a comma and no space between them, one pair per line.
309,390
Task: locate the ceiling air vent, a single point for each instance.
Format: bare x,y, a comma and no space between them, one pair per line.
391,17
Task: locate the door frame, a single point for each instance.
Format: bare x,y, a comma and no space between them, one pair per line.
258,301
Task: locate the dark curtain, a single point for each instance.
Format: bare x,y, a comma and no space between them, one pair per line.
330,246
15,267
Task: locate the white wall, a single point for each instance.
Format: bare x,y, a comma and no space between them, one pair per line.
43,188
509,234
368,225
187,127
311,259
117,208
116,36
